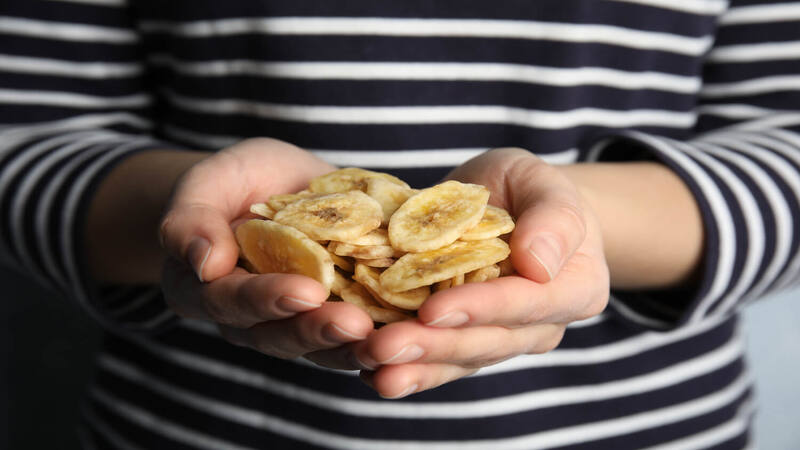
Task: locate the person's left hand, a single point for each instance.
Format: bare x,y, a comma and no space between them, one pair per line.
557,251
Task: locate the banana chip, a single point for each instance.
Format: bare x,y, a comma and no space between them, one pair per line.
359,296
378,236
495,221
279,201
389,194
263,210
482,274
274,248
341,262
348,179
437,216
337,217
422,269
506,267
374,242
362,251
339,283
380,262
409,300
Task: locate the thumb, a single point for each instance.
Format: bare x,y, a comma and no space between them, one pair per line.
550,223
201,236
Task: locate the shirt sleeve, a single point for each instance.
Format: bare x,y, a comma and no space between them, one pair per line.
742,164
73,104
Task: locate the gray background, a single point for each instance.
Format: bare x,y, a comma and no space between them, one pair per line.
48,349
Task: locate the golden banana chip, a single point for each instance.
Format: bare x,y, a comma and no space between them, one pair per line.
263,210
362,251
380,262
422,269
411,299
378,236
506,267
339,283
442,285
279,201
271,247
389,194
437,216
383,315
348,179
495,221
358,295
482,274
338,217
341,262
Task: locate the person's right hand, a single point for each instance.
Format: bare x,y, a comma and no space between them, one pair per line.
277,314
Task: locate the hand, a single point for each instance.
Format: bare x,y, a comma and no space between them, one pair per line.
562,277
277,314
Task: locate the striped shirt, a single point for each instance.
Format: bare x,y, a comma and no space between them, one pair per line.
414,87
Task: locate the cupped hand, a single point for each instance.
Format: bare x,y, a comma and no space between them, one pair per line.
277,314
557,251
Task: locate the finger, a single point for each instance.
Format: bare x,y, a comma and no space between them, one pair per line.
407,342
200,235
240,299
550,223
329,326
394,382
579,292
341,358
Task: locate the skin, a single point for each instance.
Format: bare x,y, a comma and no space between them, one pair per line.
580,229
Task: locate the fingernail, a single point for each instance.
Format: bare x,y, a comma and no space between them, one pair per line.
409,390
408,353
546,250
294,305
449,320
334,333
197,253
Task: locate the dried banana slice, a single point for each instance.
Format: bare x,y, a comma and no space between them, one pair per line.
421,269
442,285
495,221
389,194
359,296
482,274
362,251
348,179
409,300
341,262
437,216
338,217
272,247
378,236
339,283
280,201
457,280
383,315
380,262
506,267
263,210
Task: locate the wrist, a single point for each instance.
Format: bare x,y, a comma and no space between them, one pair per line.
650,222
122,223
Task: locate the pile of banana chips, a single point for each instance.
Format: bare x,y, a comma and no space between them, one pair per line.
375,242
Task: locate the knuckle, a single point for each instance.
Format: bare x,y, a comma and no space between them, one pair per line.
572,215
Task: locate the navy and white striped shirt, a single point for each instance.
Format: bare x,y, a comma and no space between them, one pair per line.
414,87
